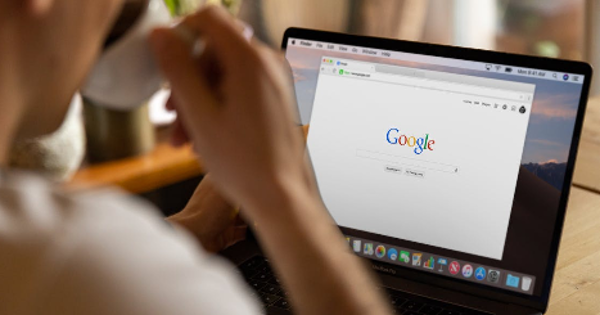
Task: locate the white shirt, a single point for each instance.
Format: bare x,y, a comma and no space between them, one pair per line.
104,253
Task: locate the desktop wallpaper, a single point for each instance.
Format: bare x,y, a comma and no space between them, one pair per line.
550,128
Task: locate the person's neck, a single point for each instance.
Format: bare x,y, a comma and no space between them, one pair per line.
9,113
7,131
11,103
12,94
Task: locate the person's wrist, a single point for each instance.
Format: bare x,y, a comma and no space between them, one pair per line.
280,201
188,221
194,224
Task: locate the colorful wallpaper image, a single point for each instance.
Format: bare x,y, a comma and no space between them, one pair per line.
550,128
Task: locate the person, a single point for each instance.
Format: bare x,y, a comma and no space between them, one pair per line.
105,253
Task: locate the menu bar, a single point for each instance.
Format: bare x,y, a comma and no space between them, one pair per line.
446,266
456,63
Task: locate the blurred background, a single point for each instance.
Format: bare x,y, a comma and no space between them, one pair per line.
539,27
550,28
167,175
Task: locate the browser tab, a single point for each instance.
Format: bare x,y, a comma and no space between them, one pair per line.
342,63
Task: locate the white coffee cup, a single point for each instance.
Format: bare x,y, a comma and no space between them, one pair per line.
126,74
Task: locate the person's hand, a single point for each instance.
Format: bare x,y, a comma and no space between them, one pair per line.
214,222
236,105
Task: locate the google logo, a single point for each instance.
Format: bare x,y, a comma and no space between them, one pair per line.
420,144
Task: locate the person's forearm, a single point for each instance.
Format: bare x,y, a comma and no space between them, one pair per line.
210,218
317,268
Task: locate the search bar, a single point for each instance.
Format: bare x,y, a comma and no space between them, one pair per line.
411,163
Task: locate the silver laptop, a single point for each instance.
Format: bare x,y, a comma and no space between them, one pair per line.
447,168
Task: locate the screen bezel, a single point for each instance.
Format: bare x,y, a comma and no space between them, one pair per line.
576,67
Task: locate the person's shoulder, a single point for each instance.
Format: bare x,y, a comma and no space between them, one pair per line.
41,226
32,206
105,247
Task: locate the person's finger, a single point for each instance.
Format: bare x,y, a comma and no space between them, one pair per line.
239,221
239,234
179,136
190,90
220,30
210,64
170,105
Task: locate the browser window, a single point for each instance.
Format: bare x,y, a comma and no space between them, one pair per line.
436,155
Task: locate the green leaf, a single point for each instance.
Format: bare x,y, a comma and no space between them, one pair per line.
173,6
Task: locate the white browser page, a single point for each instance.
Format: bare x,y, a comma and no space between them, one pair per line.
416,159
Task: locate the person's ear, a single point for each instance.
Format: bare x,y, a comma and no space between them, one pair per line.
38,7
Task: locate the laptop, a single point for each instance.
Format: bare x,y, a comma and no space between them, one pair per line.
447,169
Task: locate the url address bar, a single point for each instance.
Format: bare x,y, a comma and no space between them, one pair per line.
422,79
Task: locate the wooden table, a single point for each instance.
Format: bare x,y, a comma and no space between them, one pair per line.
576,287
587,170
164,166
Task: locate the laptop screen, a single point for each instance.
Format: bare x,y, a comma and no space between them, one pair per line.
441,165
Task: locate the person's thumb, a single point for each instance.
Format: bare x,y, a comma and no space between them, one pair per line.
196,102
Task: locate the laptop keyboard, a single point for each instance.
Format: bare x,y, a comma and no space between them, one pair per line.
261,278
